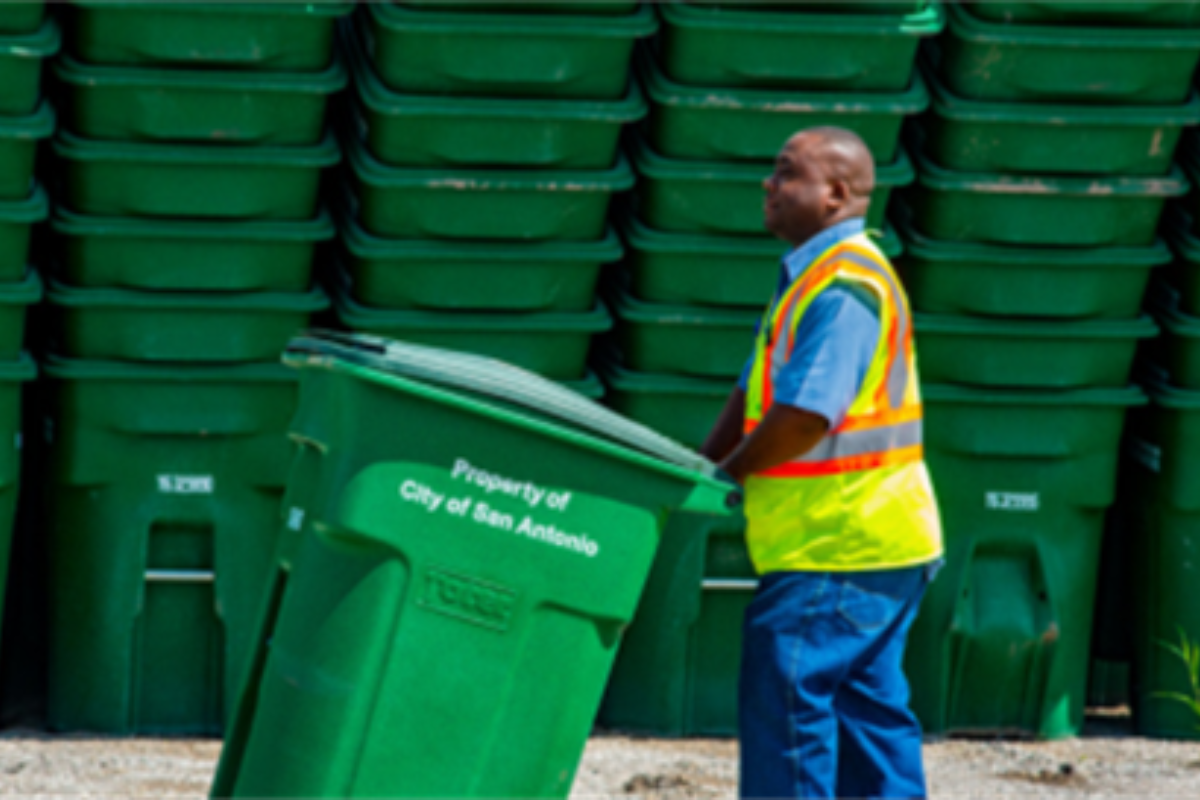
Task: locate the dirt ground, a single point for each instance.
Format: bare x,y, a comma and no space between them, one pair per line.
1106,762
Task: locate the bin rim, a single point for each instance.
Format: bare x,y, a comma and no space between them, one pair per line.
1163,300
590,385
70,223
965,25
626,307
41,43
1140,327
78,73
22,369
38,124
602,430
63,295
918,245
958,108
374,94
932,176
928,21
77,148
312,8
34,208
395,18
1177,231
25,292
64,368
663,91
361,243
622,379
649,162
376,174
1125,396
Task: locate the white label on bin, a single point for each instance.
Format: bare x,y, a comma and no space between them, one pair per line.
1013,501
295,518
185,484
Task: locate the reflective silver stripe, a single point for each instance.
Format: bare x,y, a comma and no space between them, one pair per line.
861,443
729,584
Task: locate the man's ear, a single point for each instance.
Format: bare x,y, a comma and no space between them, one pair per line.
839,194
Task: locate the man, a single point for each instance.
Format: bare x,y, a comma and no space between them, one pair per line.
824,431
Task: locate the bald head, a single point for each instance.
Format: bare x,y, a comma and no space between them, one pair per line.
823,176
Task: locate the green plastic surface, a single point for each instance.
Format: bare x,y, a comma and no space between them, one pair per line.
681,407
212,181
590,386
707,124
727,198
1124,13
551,343
884,7
19,138
383,592
439,130
1004,281
684,268
1189,159
280,36
195,105
990,136
1045,354
1178,348
411,203
22,17
17,218
1040,210
718,47
1166,436
15,299
1113,65
21,56
1023,480
1185,270
164,484
683,340
474,276
527,6
190,327
187,255
13,374
506,55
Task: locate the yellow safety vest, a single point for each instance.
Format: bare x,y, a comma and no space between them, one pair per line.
861,499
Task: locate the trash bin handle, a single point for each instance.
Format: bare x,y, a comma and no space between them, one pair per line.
729,584
179,576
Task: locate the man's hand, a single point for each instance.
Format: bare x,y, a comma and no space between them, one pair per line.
786,433
727,431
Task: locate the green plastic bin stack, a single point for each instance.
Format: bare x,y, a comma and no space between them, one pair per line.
1044,165
186,227
482,148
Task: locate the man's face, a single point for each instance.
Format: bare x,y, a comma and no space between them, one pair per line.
798,192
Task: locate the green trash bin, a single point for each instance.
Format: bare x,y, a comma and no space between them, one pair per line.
729,124
190,327
1032,210
680,407
14,375
503,55
1184,272
19,137
1044,354
15,299
188,254
21,56
154,104
1003,136
435,274
24,17
677,671
1177,350
475,203
988,280
422,130
271,36
17,218
107,178
1001,644
551,343
884,7
683,340
1124,13
527,6
692,269
163,492
720,47
1116,65
388,607
726,198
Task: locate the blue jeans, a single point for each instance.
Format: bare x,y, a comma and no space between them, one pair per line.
823,701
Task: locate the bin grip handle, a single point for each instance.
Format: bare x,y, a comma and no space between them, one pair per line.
729,584
180,576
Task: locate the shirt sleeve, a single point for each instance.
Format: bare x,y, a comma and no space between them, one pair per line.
834,347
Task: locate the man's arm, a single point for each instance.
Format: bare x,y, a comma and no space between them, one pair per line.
727,432
786,433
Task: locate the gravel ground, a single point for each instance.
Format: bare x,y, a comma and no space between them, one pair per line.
1107,762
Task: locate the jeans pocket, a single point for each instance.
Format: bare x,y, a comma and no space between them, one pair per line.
865,611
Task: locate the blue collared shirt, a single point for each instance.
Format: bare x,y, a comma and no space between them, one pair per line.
835,342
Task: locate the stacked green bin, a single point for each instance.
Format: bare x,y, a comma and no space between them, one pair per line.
1044,165
193,142
482,148
727,87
